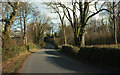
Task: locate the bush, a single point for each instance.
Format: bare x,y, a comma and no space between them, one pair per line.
108,56
69,50
30,46
53,41
13,51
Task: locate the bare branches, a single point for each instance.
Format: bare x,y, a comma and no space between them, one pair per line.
56,7
3,20
14,6
11,4
80,15
97,13
117,4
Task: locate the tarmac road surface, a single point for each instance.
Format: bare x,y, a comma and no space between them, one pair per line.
51,61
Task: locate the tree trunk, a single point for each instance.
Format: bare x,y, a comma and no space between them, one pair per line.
81,37
119,22
115,26
76,39
36,33
115,32
21,23
6,38
6,34
25,35
65,39
7,30
83,40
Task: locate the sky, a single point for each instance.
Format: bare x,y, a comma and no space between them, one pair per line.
43,9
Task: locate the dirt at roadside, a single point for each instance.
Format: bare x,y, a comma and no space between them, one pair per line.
21,66
6,65
22,58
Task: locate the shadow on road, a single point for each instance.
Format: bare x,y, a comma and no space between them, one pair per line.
64,63
71,64
53,53
51,60
48,46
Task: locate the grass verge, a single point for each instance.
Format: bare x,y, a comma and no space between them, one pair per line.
14,64
104,56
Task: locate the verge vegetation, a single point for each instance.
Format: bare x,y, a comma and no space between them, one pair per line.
105,56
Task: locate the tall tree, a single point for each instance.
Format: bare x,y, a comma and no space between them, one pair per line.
61,17
38,28
20,16
25,9
8,22
114,23
119,21
112,6
79,22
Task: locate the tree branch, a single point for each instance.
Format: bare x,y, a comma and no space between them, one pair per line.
3,20
96,13
11,4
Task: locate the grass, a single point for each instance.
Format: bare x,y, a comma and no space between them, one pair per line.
58,49
116,46
12,52
10,65
15,51
15,66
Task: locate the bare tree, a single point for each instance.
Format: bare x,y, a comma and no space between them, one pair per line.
8,22
119,21
25,10
61,15
13,14
79,22
39,27
112,6
20,17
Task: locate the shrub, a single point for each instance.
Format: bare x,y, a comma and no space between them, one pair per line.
13,51
108,56
70,50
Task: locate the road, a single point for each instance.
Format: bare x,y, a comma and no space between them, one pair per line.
51,61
